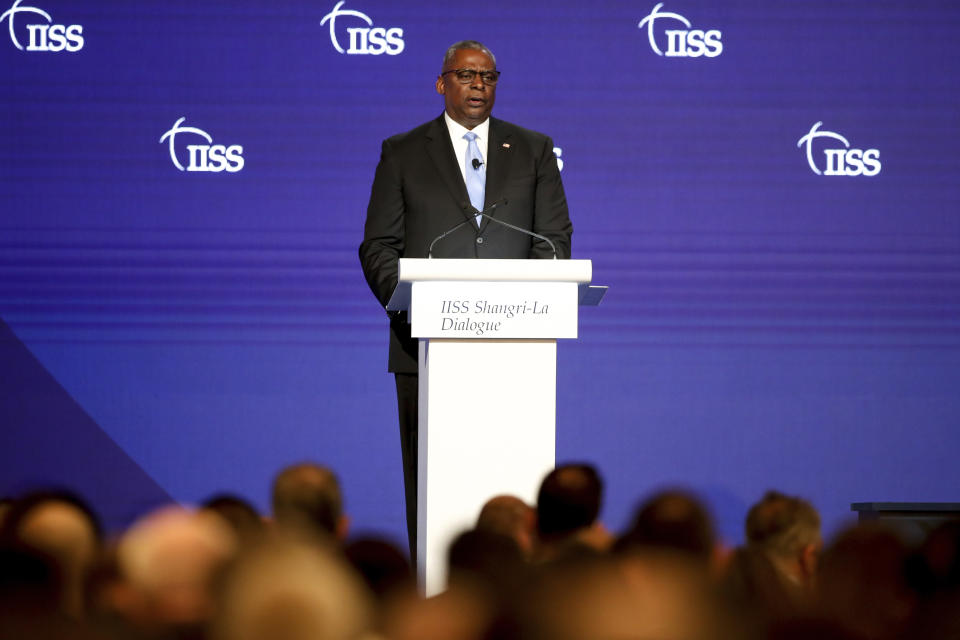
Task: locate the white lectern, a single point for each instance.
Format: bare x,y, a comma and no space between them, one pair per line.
488,365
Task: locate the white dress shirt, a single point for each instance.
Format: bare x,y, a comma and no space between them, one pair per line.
457,130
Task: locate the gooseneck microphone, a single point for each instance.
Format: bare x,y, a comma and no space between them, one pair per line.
532,234
486,211
476,164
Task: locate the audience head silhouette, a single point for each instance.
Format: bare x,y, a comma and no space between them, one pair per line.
307,497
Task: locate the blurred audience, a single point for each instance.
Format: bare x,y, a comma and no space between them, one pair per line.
786,531
167,565
386,572
60,529
307,498
239,514
642,594
568,508
221,572
285,589
511,517
487,561
753,586
934,573
863,584
5,504
673,520
381,564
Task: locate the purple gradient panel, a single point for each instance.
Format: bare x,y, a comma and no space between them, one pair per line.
766,326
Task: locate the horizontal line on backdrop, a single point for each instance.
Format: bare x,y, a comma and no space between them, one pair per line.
635,271
190,325
646,307
313,230
319,309
635,327
299,245
340,341
355,296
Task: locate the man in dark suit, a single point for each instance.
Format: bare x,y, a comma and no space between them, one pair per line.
440,174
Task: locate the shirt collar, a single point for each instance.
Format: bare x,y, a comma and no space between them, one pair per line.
457,130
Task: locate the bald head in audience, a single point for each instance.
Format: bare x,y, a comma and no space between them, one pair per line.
167,563
286,589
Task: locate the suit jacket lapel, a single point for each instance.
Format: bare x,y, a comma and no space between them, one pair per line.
440,150
498,165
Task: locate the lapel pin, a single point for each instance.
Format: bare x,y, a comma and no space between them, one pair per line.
506,145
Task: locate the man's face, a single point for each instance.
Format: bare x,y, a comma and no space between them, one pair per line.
468,104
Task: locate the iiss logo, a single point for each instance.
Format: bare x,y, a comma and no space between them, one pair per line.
42,36
211,158
840,161
364,40
681,43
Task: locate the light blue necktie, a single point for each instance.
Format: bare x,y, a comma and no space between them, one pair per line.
476,179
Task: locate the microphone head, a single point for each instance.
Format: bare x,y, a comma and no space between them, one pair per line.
476,163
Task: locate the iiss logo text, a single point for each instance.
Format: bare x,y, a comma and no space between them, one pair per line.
36,28
368,40
209,157
842,159
680,43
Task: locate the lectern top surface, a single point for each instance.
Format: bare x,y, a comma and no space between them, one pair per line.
419,269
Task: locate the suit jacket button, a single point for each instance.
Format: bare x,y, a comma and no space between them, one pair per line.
480,240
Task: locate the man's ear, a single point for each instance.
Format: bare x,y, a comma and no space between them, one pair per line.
440,88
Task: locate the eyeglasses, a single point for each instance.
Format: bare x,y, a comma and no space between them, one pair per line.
466,76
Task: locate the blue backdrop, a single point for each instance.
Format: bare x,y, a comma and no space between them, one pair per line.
769,188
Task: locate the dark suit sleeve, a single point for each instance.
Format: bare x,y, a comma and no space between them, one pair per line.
550,216
383,233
